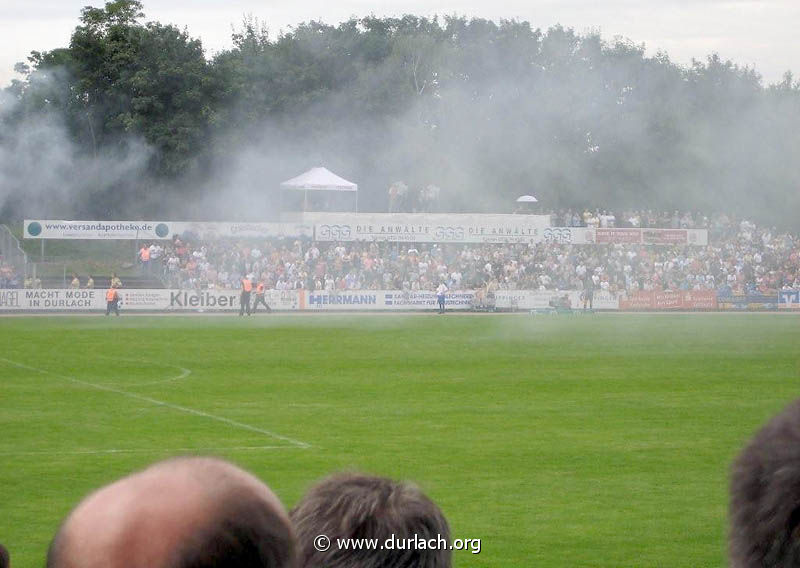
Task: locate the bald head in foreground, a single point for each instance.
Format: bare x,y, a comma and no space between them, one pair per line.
180,513
765,496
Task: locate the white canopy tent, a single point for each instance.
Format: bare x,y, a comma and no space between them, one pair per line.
321,179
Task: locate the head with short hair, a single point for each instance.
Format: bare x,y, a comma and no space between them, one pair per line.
765,496
354,505
180,513
5,559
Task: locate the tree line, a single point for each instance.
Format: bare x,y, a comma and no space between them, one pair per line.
148,123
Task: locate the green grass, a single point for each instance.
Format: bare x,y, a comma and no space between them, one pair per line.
558,441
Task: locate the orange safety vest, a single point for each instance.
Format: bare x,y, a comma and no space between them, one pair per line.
260,288
246,285
111,295
145,254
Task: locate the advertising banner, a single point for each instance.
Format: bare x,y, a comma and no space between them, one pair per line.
541,299
161,230
661,300
363,300
155,300
524,299
372,227
601,300
789,300
430,228
589,236
699,300
617,236
52,300
203,300
751,303
97,230
207,230
139,300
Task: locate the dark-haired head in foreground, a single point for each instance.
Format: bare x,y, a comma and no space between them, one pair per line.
5,561
180,513
366,507
765,496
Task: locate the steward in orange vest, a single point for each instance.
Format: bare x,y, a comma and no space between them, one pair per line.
260,292
244,299
112,300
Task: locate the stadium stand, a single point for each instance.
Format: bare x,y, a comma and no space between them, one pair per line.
740,259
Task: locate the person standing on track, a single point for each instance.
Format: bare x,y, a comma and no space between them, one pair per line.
244,299
588,292
112,300
260,293
440,294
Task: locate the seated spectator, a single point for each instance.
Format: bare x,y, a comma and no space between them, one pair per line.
765,496
361,506
187,512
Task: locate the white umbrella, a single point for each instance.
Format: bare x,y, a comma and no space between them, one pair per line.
527,199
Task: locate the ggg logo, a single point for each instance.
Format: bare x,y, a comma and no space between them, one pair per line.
559,236
334,232
449,233
34,229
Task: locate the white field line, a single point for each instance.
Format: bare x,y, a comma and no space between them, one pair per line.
143,451
184,371
185,409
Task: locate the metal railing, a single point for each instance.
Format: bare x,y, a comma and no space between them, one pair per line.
11,252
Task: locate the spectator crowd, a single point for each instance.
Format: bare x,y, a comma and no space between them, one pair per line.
9,276
741,258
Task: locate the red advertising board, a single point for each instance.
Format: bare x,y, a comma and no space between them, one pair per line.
637,300
700,300
618,236
666,300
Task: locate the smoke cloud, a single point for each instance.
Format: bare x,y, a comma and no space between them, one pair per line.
484,111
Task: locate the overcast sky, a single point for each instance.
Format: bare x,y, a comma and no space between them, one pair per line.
760,33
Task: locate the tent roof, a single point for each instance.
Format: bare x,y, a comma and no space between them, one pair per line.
527,199
321,179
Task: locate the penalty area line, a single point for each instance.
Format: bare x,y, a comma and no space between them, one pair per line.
156,402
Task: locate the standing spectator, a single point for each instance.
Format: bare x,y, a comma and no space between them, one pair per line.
112,300
260,293
441,291
244,297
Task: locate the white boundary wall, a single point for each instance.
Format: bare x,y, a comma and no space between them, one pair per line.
155,300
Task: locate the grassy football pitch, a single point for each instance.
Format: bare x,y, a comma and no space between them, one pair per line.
558,441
